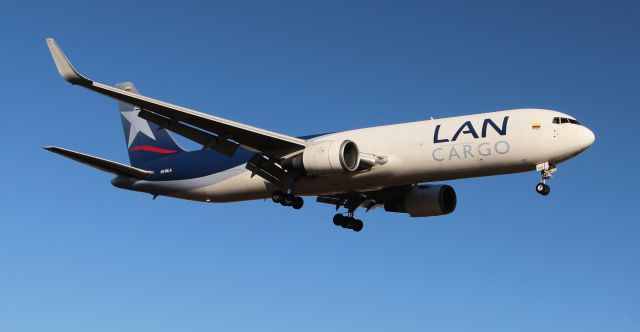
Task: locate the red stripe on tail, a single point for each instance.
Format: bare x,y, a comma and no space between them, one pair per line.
151,149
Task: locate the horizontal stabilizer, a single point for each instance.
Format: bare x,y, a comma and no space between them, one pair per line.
102,164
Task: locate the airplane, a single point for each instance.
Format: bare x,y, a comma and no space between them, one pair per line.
391,166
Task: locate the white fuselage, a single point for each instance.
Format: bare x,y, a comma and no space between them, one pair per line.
424,151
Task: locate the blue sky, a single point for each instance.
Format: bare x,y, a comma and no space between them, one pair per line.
77,254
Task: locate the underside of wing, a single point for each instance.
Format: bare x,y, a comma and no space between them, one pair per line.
366,199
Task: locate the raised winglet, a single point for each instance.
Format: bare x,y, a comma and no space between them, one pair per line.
65,68
252,138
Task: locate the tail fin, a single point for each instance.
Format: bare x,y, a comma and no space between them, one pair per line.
145,141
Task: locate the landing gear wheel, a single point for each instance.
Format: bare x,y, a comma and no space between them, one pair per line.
348,222
276,197
543,189
287,200
297,202
357,225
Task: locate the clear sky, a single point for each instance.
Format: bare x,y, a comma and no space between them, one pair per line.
77,254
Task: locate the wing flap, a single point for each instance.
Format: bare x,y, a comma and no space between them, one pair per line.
247,136
102,164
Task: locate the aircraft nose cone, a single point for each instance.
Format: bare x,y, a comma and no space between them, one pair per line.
586,137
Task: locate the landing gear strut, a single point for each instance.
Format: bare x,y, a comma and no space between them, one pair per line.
348,222
291,200
546,172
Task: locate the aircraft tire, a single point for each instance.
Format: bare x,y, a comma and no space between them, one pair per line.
287,200
357,225
543,189
349,222
297,202
276,197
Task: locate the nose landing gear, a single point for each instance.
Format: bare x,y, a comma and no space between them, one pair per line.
543,189
546,173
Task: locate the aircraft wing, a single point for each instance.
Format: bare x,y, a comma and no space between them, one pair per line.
102,164
186,122
368,200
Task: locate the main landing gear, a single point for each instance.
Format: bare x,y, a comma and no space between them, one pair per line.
546,172
291,200
351,203
348,222
344,220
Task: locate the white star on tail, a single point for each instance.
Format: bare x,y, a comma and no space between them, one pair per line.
137,124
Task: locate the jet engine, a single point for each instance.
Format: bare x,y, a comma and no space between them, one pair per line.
327,158
425,201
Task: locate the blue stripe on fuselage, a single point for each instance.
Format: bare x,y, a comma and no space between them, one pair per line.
194,164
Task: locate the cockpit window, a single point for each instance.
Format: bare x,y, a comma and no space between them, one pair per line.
559,120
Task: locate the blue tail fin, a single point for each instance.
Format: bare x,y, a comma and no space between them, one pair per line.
145,140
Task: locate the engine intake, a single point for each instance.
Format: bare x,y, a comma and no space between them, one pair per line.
327,158
425,201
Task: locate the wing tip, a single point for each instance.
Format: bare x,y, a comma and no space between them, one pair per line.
65,68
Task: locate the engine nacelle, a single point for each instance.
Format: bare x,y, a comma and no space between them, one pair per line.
425,201
328,157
